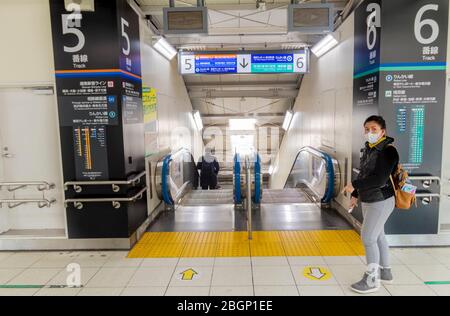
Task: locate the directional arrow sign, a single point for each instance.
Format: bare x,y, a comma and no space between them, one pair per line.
317,273
188,275
244,63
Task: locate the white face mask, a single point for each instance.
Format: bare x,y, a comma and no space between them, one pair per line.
372,138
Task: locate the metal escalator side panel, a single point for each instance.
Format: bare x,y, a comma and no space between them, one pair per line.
165,188
329,195
237,180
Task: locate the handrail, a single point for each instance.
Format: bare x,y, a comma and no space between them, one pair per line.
13,203
78,203
77,185
249,197
329,194
41,185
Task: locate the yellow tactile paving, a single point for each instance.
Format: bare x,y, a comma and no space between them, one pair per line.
199,250
233,237
358,248
325,236
269,237
266,249
301,250
241,249
236,244
295,237
335,249
349,236
203,238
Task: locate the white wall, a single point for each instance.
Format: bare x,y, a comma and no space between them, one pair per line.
28,123
174,105
323,110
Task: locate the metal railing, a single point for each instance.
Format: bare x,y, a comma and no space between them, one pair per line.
78,203
249,197
40,185
78,185
13,187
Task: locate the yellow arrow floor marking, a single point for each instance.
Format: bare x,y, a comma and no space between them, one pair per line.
188,275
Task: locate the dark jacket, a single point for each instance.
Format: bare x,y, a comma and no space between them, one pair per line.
209,170
377,164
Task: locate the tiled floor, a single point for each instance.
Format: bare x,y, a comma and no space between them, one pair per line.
417,272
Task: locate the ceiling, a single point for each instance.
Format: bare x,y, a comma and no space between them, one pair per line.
239,25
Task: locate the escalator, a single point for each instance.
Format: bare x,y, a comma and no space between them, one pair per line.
188,208
305,201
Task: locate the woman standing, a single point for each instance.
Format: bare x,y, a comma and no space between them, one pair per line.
373,187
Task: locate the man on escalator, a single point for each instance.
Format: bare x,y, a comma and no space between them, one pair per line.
209,168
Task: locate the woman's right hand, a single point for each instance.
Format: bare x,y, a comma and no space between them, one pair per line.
353,202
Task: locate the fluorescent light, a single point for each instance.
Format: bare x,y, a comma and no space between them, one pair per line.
271,169
165,48
242,124
288,120
325,45
198,120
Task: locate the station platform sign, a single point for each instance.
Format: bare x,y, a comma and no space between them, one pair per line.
244,62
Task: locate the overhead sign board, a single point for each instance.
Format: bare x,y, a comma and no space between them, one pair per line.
244,63
311,18
184,20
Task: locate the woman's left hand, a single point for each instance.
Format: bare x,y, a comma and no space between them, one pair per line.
348,188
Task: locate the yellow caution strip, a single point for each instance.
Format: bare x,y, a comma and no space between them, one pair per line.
236,244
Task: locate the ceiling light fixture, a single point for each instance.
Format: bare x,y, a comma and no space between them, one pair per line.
288,120
198,120
165,48
325,45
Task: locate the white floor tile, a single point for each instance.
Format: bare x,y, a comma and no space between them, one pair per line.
111,278
431,272
413,256
272,275
144,291
201,277
18,292
8,274
62,277
349,292
58,292
100,292
301,279
347,274
244,261
441,289
151,276
198,262
188,291
268,291
160,262
34,277
54,260
300,261
270,261
91,259
410,290
232,276
404,276
21,260
327,290
354,260
120,260
232,291
4,255
442,255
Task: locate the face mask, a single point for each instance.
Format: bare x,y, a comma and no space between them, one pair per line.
372,138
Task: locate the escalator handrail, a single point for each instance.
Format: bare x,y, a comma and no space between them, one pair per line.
237,180
167,198
329,194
